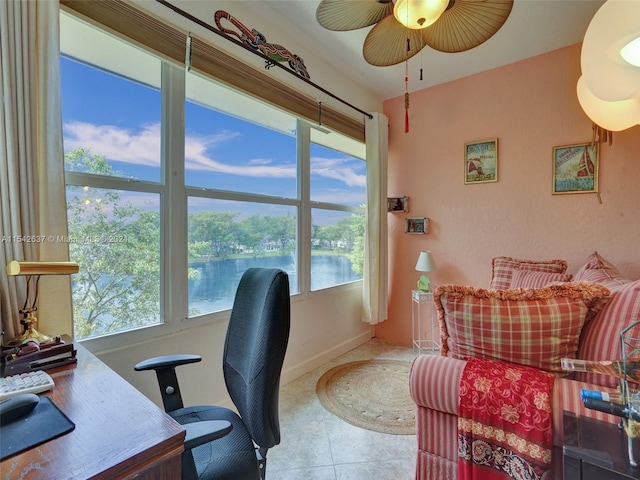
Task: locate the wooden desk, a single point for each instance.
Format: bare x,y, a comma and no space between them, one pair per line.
119,434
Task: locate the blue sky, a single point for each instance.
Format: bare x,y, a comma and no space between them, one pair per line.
120,119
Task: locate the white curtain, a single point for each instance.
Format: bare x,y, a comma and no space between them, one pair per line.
375,307
32,191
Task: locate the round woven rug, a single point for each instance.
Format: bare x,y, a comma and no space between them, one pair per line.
371,394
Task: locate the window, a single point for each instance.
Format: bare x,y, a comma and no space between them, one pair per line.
235,143
111,126
337,192
337,243
115,236
241,176
174,180
226,238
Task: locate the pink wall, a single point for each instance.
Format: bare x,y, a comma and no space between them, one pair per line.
530,106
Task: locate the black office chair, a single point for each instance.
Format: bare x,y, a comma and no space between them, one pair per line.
254,351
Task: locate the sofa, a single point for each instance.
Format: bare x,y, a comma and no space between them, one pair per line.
533,314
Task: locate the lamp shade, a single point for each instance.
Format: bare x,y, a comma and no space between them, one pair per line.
614,116
425,262
607,74
417,14
609,89
41,268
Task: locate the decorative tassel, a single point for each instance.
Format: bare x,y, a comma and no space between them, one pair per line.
406,87
406,112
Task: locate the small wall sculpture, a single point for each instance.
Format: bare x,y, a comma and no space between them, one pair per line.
257,41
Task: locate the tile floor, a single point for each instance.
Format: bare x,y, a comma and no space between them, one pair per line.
317,445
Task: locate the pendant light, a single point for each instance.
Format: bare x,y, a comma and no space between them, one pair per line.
418,14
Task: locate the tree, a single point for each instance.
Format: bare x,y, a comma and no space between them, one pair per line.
347,232
250,234
356,256
328,236
282,229
217,229
117,246
341,235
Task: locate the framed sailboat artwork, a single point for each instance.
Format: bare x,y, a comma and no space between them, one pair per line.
575,168
481,161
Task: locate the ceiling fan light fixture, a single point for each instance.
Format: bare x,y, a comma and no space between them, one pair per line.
608,89
631,52
418,14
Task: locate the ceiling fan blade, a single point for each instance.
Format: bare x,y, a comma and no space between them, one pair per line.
386,43
342,15
467,24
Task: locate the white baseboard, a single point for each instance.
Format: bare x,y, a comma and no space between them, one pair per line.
292,372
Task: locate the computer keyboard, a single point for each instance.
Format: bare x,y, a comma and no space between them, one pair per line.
29,382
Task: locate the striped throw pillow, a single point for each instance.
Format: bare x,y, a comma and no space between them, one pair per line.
530,279
530,327
502,269
598,270
601,336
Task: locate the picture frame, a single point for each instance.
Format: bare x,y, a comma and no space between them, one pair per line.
481,161
398,204
416,226
576,168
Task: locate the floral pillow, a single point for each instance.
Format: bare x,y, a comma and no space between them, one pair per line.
529,327
502,269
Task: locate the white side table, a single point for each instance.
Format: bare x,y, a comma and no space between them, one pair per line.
426,331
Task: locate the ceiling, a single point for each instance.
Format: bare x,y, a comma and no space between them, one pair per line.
534,27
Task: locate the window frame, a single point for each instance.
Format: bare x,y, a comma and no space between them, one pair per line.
174,195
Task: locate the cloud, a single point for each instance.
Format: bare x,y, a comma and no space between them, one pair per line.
142,147
340,196
197,157
338,169
260,161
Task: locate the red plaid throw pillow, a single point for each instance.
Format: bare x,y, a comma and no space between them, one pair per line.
529,327
502,269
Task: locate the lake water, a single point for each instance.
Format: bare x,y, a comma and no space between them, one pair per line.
216,287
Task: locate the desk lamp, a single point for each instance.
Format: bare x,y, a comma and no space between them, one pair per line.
33,270
425,264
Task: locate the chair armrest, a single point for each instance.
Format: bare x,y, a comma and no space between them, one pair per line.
203,432
165,368
166,361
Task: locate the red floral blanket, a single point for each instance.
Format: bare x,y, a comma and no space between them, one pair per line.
504,422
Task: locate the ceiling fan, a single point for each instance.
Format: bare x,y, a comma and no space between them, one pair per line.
404,27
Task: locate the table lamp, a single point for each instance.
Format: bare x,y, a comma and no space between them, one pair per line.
33,270
425,264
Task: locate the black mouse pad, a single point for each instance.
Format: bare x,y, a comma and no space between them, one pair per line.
44,423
